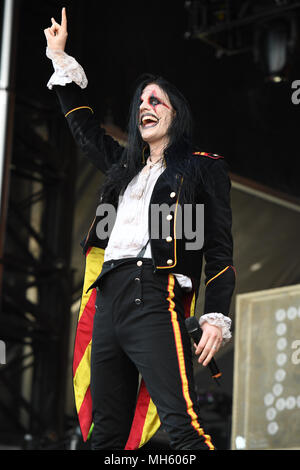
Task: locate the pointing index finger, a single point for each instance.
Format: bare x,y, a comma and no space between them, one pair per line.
64,18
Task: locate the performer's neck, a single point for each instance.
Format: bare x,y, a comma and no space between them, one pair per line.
157,150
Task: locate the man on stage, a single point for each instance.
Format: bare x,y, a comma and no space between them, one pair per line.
144,282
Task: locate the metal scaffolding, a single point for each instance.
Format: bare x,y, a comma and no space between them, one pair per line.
36,294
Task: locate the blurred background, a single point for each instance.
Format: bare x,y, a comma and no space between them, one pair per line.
237,63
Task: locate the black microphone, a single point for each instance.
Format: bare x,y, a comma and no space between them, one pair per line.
194,330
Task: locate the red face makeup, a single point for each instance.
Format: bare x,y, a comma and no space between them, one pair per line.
154,101
155,114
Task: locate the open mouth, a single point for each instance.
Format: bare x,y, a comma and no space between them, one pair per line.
148,120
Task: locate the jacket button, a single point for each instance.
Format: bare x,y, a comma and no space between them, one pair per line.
139,263
169,239
169,217
172,194
137,279
170,261
138,301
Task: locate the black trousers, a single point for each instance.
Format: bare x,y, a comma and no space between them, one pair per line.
139,328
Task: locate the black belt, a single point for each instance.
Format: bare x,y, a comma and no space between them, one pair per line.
114,263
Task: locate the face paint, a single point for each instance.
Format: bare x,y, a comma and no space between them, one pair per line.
155,101
155,114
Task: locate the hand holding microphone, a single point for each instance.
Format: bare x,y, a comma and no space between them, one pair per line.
208,350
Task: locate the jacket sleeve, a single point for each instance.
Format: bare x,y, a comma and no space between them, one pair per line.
218,242
100,148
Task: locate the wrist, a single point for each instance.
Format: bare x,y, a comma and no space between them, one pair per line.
206,324
50,49
219,320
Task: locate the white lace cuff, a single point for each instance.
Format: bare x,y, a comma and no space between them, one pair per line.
218,319
66,70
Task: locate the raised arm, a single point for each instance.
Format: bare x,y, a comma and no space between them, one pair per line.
69,83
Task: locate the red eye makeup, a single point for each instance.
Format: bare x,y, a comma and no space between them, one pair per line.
154,101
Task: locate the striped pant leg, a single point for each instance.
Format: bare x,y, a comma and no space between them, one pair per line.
155,338
114,384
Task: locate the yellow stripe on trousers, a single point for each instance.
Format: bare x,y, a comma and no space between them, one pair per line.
93,266
181,364
152,423
82,377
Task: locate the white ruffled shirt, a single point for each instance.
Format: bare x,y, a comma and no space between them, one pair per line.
132,219
132,212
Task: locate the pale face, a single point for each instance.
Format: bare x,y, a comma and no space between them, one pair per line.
155,114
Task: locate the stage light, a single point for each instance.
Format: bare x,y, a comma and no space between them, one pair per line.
276,79
274,44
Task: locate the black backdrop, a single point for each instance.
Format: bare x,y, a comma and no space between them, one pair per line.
237,114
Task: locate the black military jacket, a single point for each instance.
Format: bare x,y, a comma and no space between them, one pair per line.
169,254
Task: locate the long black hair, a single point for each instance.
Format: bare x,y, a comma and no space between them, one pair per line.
177,153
